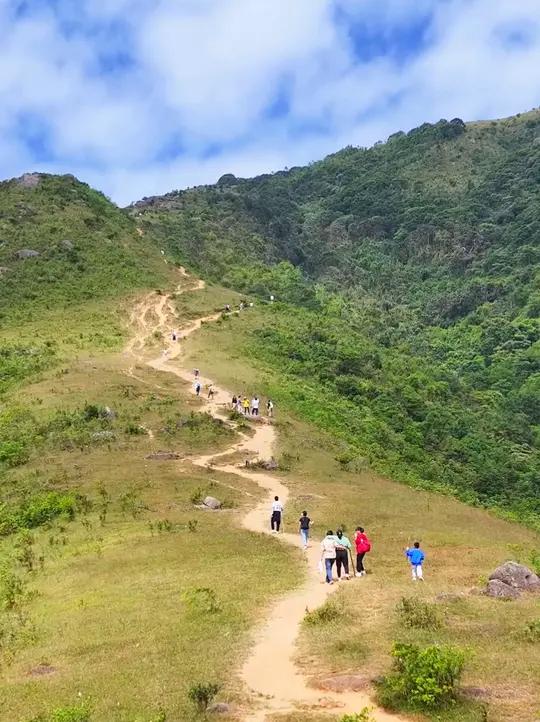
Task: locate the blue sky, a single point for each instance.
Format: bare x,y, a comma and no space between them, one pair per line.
139,97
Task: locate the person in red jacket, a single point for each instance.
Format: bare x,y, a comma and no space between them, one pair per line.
363,546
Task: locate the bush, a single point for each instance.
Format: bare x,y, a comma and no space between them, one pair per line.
416,614
202,694
202,599
328,612
363,716
70,714
422,679
531,633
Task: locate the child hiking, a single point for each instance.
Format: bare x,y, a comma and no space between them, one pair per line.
363,546
277,511
416,556
304,523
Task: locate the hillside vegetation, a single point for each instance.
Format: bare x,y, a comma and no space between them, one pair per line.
63,243
409,281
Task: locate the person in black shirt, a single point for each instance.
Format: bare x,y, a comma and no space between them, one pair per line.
304,522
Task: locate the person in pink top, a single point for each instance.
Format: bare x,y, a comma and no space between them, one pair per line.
363,546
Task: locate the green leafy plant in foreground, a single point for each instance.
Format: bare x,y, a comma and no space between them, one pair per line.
422,678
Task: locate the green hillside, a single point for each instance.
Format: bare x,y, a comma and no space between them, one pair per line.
410,280
62,243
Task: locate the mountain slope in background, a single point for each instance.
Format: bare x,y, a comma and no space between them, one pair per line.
412,274
61,243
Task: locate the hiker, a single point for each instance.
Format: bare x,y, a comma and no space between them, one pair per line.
277,511
245,406
416,556
174,335
363,546
328,555
198,388
304,523
227,308
239,404
234,402
211,392
255,406
196,373
270,408
343,547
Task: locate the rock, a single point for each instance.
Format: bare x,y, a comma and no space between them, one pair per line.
211,502
500,590
271,465
219,708
27,253
162,456
103,436
108,413
516,575
341,683
3,269
29,180
67,244
41,670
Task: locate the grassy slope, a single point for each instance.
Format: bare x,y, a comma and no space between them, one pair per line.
89,249
109,614
463,545
422,256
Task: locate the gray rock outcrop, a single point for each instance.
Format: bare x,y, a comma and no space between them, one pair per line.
27,253
211,502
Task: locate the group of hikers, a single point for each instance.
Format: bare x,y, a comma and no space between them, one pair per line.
336,548
242,405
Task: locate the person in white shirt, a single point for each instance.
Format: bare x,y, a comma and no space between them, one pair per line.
328,555
277,512
270,408
255,406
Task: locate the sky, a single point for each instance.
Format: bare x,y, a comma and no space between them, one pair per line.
140,97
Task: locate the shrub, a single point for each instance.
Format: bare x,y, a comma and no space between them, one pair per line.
202,599
363,716
328,612
13,453
202,694
422,679
70,714
531,633
416,614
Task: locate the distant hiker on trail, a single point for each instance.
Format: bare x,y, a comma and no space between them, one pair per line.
343,546
304,523
245,405
328,555
234,402
363,546
255,406
277,511
239,404
196,373
211,392
227,307
416,556
198,388
270,408
173,336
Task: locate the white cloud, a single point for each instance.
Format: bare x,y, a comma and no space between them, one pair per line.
141,96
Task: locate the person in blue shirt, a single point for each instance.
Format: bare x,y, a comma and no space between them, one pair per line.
416,556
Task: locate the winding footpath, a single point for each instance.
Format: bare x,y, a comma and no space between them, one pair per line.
269,673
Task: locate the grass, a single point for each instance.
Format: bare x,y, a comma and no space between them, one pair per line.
142,596
459,542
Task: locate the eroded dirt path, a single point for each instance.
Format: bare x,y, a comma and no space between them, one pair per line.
269,672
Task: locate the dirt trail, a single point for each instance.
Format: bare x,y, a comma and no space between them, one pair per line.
269,672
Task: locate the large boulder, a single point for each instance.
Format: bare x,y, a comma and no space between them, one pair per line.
517,576
500,590
29,180
211,502
27,253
